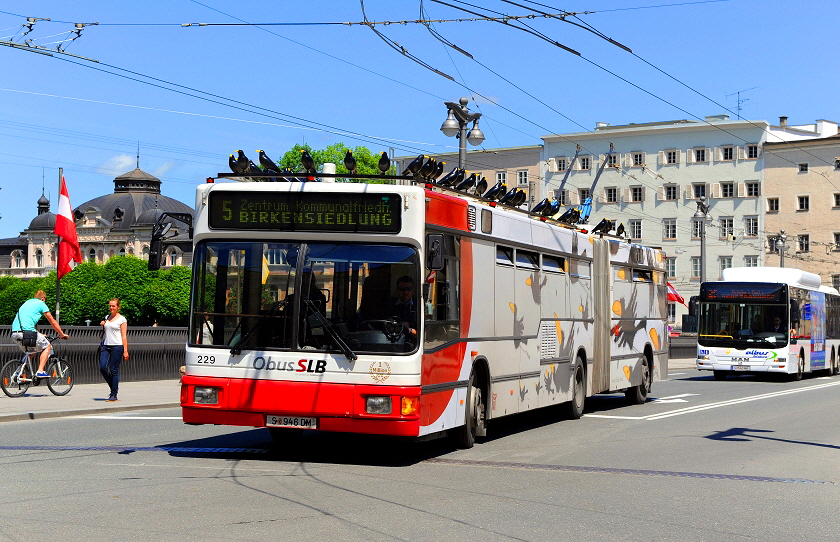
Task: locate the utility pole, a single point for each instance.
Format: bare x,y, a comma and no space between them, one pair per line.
781,246
701,215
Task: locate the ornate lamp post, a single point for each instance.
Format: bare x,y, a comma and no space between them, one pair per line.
455,125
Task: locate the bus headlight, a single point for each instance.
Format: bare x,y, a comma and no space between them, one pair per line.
704,358
378,405
206,396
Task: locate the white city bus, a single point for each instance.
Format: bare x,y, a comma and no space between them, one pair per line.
294,319
768,320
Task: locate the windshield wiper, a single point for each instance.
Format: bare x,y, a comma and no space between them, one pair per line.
330,329
236,348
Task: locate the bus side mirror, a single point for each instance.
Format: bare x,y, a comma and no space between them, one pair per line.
434,251
155,250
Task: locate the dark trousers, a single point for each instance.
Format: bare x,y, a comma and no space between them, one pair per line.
110,359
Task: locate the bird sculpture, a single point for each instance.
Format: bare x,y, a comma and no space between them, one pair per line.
467,183
234,165
350,163
267,163
437,172
307,161
480,187
427,168
242,161
449,178
571,216
538,208
552,208
415,165
604,226
495,192
254,170
288,175
384,163
507,198
519,199
619,231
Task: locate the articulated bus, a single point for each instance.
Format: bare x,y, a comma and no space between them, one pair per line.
768,320
407,310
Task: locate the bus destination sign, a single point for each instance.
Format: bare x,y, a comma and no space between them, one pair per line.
305,211
743,292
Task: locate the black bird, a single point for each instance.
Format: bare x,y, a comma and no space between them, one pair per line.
415,165
604,226
268,163
552,208
619,231
449,178
307,162
427,168
508,198
496,191
438,171
480,187
350,163
242,161
384,163
234,165
467,183
519,199
538,208
254,170
288,175
571,216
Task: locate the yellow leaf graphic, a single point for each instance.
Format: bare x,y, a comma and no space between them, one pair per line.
528,281
621,273
654,336
559,330
580,308
627,372
616,307
512,307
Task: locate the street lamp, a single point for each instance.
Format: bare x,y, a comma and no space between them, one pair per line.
701,215
781,247
455,125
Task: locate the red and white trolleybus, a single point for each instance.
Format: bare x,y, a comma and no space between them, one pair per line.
407,310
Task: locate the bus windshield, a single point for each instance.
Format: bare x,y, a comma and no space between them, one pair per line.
743,325
339,297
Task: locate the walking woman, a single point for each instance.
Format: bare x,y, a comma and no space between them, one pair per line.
114,347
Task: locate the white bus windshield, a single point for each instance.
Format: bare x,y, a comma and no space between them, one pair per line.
339,297
743,325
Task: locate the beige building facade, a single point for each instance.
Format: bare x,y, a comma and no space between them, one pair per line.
802,199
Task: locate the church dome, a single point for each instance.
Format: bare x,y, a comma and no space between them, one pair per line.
44,221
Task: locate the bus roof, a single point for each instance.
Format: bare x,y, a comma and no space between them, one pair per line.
782,275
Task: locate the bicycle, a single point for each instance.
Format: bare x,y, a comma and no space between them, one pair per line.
17,375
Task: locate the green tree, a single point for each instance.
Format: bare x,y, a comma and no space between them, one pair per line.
367,163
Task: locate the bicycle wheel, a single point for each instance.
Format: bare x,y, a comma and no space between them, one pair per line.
14,378
60,381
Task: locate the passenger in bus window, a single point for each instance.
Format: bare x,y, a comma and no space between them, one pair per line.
404,307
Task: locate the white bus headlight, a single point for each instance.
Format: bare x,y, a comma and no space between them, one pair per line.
206,396
378,405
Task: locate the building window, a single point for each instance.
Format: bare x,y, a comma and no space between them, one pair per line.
672,312
91,255
671,157
699,190
637,193
611,195
750,261
725,263
836,242
696,228
522,177
670,267
699,155
726,228
561,163
772,205
584,162
751,226
638,158
122,251
583,193
695,267
837,199
753,189
771,244
803,167
501,176
18,258
670,192
835,281
727,190
837,163
726,154
669,228
752,151
635,229
562,197
803,243
612,160
39,258
804,203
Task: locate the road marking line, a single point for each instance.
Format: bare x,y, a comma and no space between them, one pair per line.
675,374
133,417
615,417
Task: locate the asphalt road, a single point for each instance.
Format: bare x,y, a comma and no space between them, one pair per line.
745,459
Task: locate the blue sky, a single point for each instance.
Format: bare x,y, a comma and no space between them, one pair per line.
70,113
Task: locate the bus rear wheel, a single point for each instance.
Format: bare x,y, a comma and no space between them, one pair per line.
636,395
574,408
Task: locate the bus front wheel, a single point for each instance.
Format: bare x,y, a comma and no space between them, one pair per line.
474,419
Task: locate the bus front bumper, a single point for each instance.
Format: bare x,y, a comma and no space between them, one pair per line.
336,407
709,365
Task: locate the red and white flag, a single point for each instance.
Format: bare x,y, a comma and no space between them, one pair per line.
65,228
674,295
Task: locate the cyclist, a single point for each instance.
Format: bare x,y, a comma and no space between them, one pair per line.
27,317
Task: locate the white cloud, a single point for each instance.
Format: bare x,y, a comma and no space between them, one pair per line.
117,165
163,168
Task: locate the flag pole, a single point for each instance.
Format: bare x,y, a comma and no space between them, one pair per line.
58,256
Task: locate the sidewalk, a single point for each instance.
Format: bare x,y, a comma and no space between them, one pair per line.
39,403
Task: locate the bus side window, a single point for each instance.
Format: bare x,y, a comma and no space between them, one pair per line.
442,314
